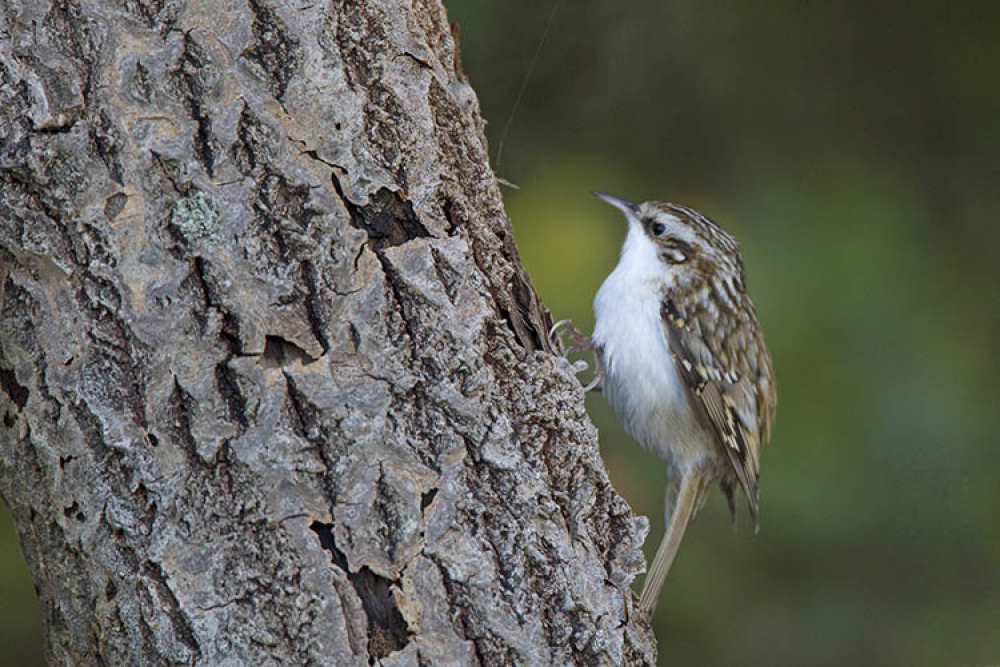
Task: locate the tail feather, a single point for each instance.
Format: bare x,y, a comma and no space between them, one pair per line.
682,511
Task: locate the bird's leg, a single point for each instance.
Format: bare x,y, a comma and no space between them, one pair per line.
578,342
684,507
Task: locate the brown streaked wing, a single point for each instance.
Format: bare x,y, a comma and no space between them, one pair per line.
727,404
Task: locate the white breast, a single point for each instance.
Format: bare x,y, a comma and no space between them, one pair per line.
641,382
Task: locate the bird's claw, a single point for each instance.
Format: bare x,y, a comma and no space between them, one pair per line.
595,382
555,336
577,343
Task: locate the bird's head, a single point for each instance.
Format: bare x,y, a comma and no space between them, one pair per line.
688,247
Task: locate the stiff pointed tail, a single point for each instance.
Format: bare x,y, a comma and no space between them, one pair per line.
684,508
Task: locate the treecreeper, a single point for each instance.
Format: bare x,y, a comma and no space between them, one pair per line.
682,362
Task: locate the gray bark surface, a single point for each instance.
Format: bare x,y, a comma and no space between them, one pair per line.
275,387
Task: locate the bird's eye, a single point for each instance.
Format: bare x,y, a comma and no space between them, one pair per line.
657,228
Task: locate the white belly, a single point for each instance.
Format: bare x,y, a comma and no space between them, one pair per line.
642,383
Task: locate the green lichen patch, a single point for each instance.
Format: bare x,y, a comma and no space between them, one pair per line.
197,218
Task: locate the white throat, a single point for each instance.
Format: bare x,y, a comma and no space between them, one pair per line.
640,274
642,383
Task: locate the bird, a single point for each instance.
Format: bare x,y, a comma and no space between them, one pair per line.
683,363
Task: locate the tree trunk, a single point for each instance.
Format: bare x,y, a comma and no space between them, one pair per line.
276,389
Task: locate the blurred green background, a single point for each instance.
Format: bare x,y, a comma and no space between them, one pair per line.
854,149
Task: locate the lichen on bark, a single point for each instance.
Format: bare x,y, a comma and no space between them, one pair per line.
275,386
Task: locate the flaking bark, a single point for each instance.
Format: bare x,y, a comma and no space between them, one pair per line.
275,387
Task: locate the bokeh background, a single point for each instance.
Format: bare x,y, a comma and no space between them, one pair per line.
854,149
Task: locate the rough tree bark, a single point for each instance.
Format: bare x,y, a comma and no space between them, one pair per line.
276,389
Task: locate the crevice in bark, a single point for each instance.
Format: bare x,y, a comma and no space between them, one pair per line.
452,216
255,142
404,306
387,501
457,600
278,352
140,84
79,39
361,39
314,306
282,207
90,426
179,409
387,218
389,221
194,68
275,54
169,170
116,353
447,274
426,498
359,35
14,390
156,12
230,335
181,626
107,140
228,385
307,423
387,631
58,129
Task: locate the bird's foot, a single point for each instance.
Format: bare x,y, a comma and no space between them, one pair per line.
564,331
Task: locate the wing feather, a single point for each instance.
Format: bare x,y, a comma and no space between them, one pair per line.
729,376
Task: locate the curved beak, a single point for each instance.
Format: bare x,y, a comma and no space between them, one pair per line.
623,205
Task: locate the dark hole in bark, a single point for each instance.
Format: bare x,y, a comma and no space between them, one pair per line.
114,205
278,352
12,388
388,219
452,216
427,498
386,628
74,511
